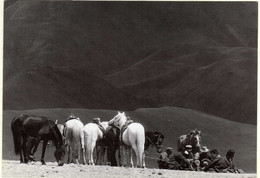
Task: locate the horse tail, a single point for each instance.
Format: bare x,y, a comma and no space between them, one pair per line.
17,138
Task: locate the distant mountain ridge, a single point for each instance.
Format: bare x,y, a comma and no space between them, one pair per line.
185,54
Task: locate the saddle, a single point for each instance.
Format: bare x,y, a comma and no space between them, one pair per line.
71,118
97,121
124,127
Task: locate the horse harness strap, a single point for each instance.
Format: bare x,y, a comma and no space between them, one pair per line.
71,119
124,127
101,128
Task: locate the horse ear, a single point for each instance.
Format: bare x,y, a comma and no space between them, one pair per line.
123,113
56,122
118,112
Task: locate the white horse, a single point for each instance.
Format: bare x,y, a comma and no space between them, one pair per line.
133,137
74,139
92,134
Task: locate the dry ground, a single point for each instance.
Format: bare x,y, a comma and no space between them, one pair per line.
15,169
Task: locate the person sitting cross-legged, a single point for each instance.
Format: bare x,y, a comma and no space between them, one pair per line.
163,162
227,164
216,161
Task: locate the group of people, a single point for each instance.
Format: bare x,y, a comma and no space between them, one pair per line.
206,160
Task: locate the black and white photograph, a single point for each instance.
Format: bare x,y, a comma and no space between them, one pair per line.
122,89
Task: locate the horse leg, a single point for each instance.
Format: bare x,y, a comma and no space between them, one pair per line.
104,154
119,157
36,144
83,155
96,151
82,147
19,142
131,157
43,151
134,147
22,157
68,161
92,152
143,160
24,148
75,152
124,153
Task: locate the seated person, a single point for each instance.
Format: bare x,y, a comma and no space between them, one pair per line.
216,161
227,164
204,157
193,159
163,163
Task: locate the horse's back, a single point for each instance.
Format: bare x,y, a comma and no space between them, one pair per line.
74,124
134,134
91,128
73,129
136,128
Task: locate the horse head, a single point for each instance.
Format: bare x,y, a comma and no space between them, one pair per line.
154,139
118,120
159,141
58,141
195,138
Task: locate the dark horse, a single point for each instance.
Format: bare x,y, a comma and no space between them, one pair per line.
33,128
154,139
112,143
193,139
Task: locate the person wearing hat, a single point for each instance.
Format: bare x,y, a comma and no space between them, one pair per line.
204,157
192,158
163,162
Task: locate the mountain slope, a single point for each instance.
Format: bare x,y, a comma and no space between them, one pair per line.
146,49
63,88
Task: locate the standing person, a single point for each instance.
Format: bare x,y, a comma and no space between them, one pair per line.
163,163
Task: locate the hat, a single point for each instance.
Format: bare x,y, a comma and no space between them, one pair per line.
169,149
188,146
204,149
